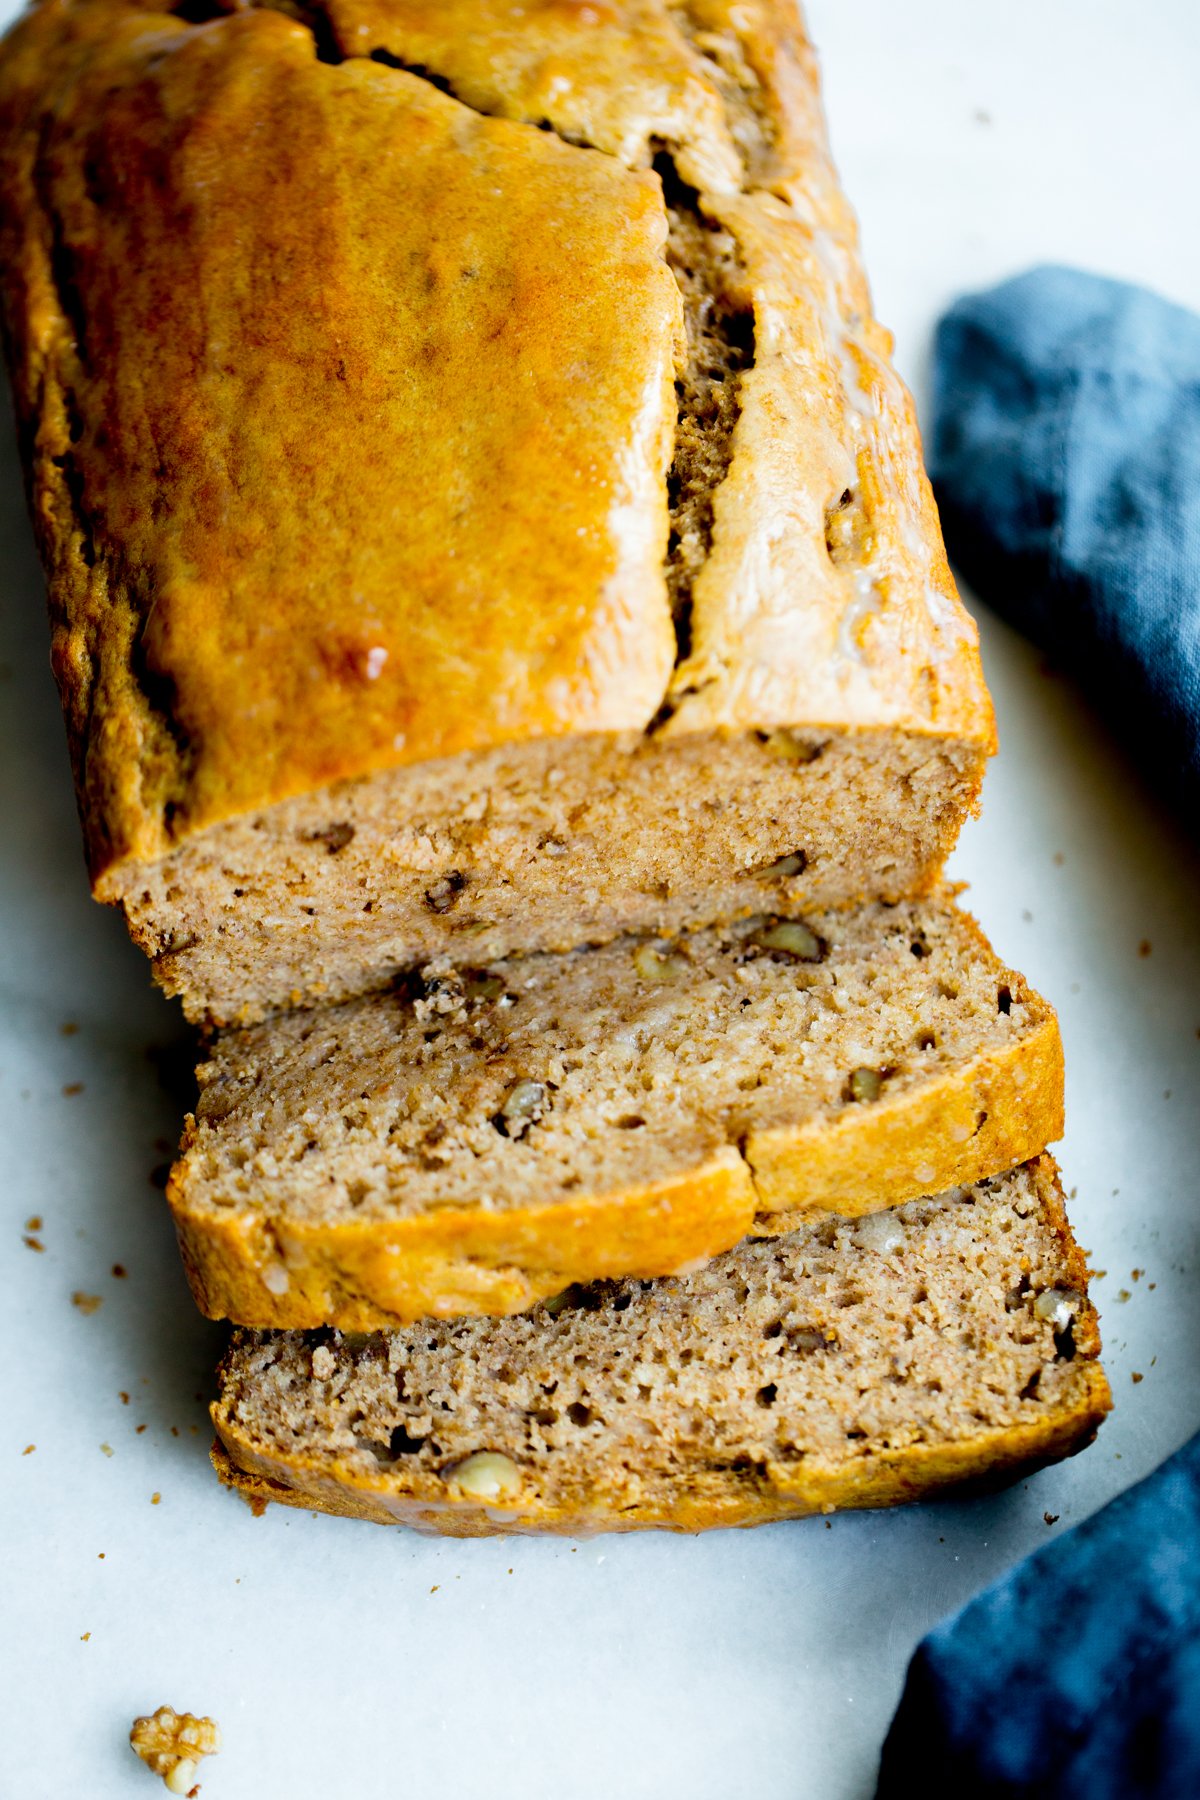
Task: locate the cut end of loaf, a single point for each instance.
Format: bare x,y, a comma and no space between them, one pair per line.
538,847
852,1363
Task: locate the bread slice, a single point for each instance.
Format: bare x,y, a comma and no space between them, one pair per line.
464,537
850,1363
479,1139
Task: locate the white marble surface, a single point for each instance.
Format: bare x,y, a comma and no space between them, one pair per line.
343,1660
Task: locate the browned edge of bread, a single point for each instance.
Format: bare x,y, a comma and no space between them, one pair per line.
991,1461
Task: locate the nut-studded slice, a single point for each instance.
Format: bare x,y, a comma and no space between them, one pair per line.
852,1363
478,1140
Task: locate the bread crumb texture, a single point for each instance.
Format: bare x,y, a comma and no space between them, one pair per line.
850,1363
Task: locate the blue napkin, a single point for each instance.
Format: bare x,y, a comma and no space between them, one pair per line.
1076,1674
1066,459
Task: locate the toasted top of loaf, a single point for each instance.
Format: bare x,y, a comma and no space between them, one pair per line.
477,1138
850,1363
349,403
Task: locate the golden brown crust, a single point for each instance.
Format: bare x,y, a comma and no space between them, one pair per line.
415,275
272,482
381,1273
916,1472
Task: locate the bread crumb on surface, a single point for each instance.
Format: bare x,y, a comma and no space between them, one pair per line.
173,1745
71,1088
87,1303
107,1449
1052,1518
29,1450
155,1499
31,1243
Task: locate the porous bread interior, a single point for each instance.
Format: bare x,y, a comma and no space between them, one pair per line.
537,846
831,1347
651,1056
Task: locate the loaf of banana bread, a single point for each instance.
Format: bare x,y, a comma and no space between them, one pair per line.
478,507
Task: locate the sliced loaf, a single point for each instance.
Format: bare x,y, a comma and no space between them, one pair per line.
478,1140
461,540
851,1363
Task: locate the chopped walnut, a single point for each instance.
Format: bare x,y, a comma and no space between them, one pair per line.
173,1744
444,995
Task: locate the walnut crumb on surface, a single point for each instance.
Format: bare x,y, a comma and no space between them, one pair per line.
173,1745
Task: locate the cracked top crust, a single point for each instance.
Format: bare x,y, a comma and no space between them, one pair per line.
363,404
348,405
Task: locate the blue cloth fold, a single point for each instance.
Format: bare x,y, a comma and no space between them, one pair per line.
1066,460
1076,1673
